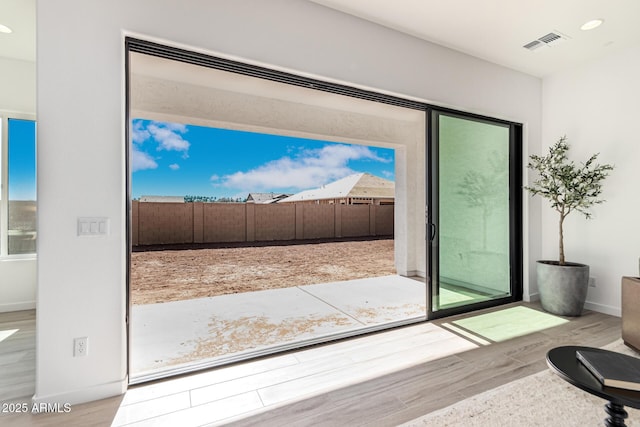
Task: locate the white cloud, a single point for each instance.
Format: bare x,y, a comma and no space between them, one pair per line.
138,133
174,167
141,160
387,174
335,155
312,168
168,137
178,127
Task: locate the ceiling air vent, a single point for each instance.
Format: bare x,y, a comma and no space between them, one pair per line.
547,40
534,45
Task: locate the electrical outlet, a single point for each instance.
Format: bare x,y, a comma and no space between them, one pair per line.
80,347
592,282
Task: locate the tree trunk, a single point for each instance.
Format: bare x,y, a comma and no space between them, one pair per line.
485,215
561,242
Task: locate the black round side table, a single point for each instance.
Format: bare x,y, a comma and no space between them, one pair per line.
563,361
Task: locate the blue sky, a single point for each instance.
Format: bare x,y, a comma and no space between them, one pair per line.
22,159
171,159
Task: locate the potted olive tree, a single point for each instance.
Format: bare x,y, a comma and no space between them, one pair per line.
568,187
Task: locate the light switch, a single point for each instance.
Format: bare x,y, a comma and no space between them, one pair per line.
93,226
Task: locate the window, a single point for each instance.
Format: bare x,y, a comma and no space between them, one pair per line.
18,179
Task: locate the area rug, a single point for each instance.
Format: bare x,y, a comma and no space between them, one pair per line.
542,399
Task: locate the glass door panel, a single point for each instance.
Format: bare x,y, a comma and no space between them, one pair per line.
471,212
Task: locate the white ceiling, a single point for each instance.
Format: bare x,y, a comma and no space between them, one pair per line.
185,74
497,30
20,16
494,30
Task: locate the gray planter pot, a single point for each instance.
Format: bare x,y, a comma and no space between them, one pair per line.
563,288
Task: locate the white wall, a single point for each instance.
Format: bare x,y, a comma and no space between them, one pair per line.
18,86
597,107
17,95
17,284
81,285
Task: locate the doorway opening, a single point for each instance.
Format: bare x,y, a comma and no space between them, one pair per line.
172,95
171,88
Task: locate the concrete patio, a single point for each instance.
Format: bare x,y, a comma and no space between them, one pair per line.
208,331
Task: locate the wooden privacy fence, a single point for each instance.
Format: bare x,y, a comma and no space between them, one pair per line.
177,223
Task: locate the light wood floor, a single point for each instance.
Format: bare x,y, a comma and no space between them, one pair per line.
366,387
17,354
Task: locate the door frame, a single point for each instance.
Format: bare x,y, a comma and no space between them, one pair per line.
201,59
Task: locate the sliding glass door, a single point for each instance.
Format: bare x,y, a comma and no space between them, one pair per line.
473,212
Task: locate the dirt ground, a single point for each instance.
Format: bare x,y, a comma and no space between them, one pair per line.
162,274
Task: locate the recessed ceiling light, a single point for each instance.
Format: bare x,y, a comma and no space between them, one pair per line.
592,24
5,29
